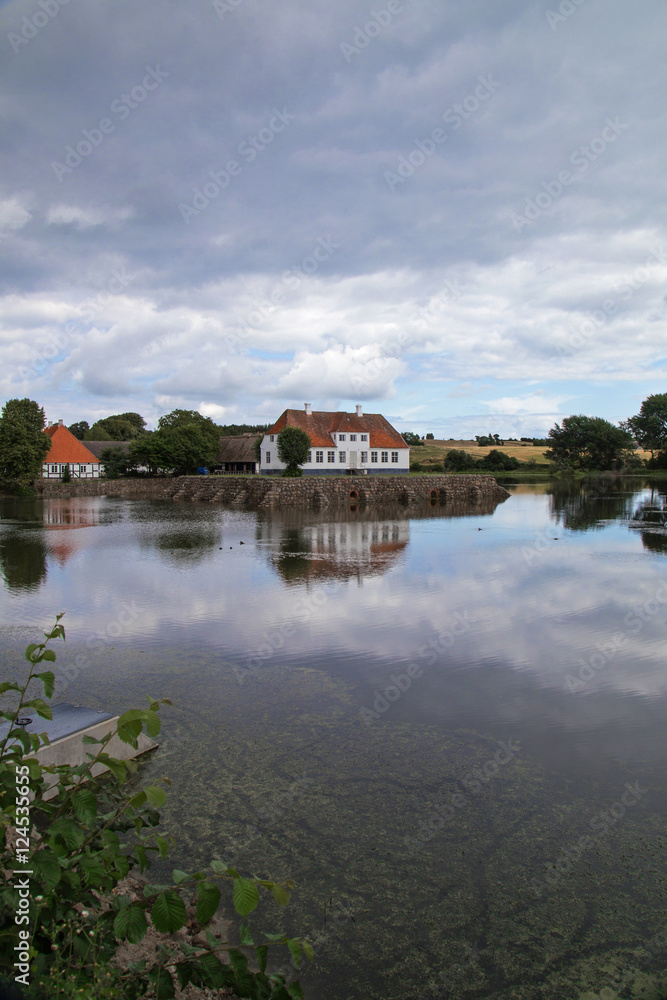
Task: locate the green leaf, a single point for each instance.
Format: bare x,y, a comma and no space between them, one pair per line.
40,707
153,724
49,681
308,950
162,982
111,842
85,806
296,990
30,650
68,831
48,868
280,894
179,876
140,852
245,895
163,846
130,924
295,950
262,955
245,936
215,974
219,867
89,739
208,900
93,870
8,686
129,731
168,912
184,971
238,960
156,796
49,655
116,767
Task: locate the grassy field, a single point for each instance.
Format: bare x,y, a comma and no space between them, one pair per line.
433,452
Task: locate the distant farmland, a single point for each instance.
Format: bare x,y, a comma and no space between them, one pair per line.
433,453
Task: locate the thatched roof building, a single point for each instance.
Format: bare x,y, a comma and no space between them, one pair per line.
237,453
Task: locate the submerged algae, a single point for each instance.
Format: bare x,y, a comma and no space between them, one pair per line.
299,787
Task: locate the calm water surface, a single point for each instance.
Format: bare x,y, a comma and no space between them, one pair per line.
447,726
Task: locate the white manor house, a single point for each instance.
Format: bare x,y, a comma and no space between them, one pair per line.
355,443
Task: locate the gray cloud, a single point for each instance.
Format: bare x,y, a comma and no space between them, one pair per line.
277,136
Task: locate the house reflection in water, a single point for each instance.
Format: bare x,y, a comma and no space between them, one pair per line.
341,544
60,519
345,543
45,531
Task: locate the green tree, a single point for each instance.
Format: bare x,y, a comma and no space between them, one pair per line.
23,443
588,443
79,429
411,439
649,426
135,419
183,441
116,462
142,454
114,428
293,447
429,437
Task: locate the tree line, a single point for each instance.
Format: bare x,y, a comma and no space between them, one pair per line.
183,441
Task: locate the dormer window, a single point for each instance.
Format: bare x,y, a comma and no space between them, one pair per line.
353,437
341,437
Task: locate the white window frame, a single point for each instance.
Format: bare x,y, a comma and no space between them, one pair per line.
331,456
394,456
353,437
268,458
342,457
364,437
319,457
341,437
384,457
272,438
364,458
374,456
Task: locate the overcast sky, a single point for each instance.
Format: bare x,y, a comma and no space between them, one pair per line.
453,213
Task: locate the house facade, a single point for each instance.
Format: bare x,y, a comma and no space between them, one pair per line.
352,443
68,450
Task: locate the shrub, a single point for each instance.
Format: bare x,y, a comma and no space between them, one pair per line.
78,845
498,461
458,460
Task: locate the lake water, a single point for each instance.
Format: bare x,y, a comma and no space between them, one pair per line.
449,728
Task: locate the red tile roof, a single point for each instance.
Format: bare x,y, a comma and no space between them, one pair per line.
66,448
321,425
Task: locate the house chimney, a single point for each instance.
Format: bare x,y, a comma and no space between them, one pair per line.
60,423
309,409
359,413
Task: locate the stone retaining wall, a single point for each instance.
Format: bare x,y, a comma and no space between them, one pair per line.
261,491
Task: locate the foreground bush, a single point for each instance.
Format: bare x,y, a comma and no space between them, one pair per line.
62,858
